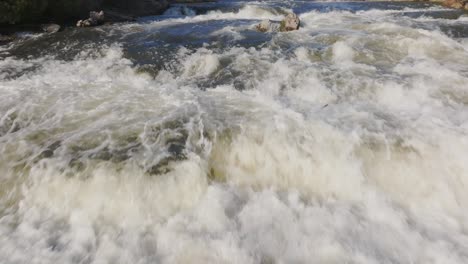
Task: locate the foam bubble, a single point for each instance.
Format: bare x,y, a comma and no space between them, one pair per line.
346,142
202,63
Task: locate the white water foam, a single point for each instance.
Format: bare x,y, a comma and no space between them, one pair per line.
351,152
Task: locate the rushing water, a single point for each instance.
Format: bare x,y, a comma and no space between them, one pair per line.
192,138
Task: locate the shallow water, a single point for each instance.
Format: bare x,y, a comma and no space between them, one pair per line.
192,138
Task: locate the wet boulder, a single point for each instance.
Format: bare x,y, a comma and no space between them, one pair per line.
84,23
264,26
37,11
50,28
458,4
95,19
25,11
5,39
289,23
97,16
453,3
267,26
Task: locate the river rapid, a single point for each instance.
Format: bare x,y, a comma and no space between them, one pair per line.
192,138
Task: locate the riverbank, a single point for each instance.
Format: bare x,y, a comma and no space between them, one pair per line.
29,12
22,17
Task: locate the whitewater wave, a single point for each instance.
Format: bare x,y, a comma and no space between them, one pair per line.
342,142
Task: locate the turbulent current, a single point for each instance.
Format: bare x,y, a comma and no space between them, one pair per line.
192,138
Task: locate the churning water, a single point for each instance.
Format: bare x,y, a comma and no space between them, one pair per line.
192,138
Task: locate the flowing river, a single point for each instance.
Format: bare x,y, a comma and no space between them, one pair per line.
192,138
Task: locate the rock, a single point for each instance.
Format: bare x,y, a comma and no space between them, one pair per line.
97,16
180,11
24,11
264,26
50,28
37,11
289,23
5,39
83,23
190,1
268,26
95,19
453,3
458,4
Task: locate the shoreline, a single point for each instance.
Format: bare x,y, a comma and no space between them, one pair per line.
116,14
17,15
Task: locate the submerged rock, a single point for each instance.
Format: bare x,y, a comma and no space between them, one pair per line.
97,16
95,19
267,26
24,11
264,26
454,3
289,23
50,28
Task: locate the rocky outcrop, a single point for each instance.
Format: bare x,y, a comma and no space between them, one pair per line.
14,11
459,4
289,23
95,19
124,10
267,26
5,39
50,28
34,11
